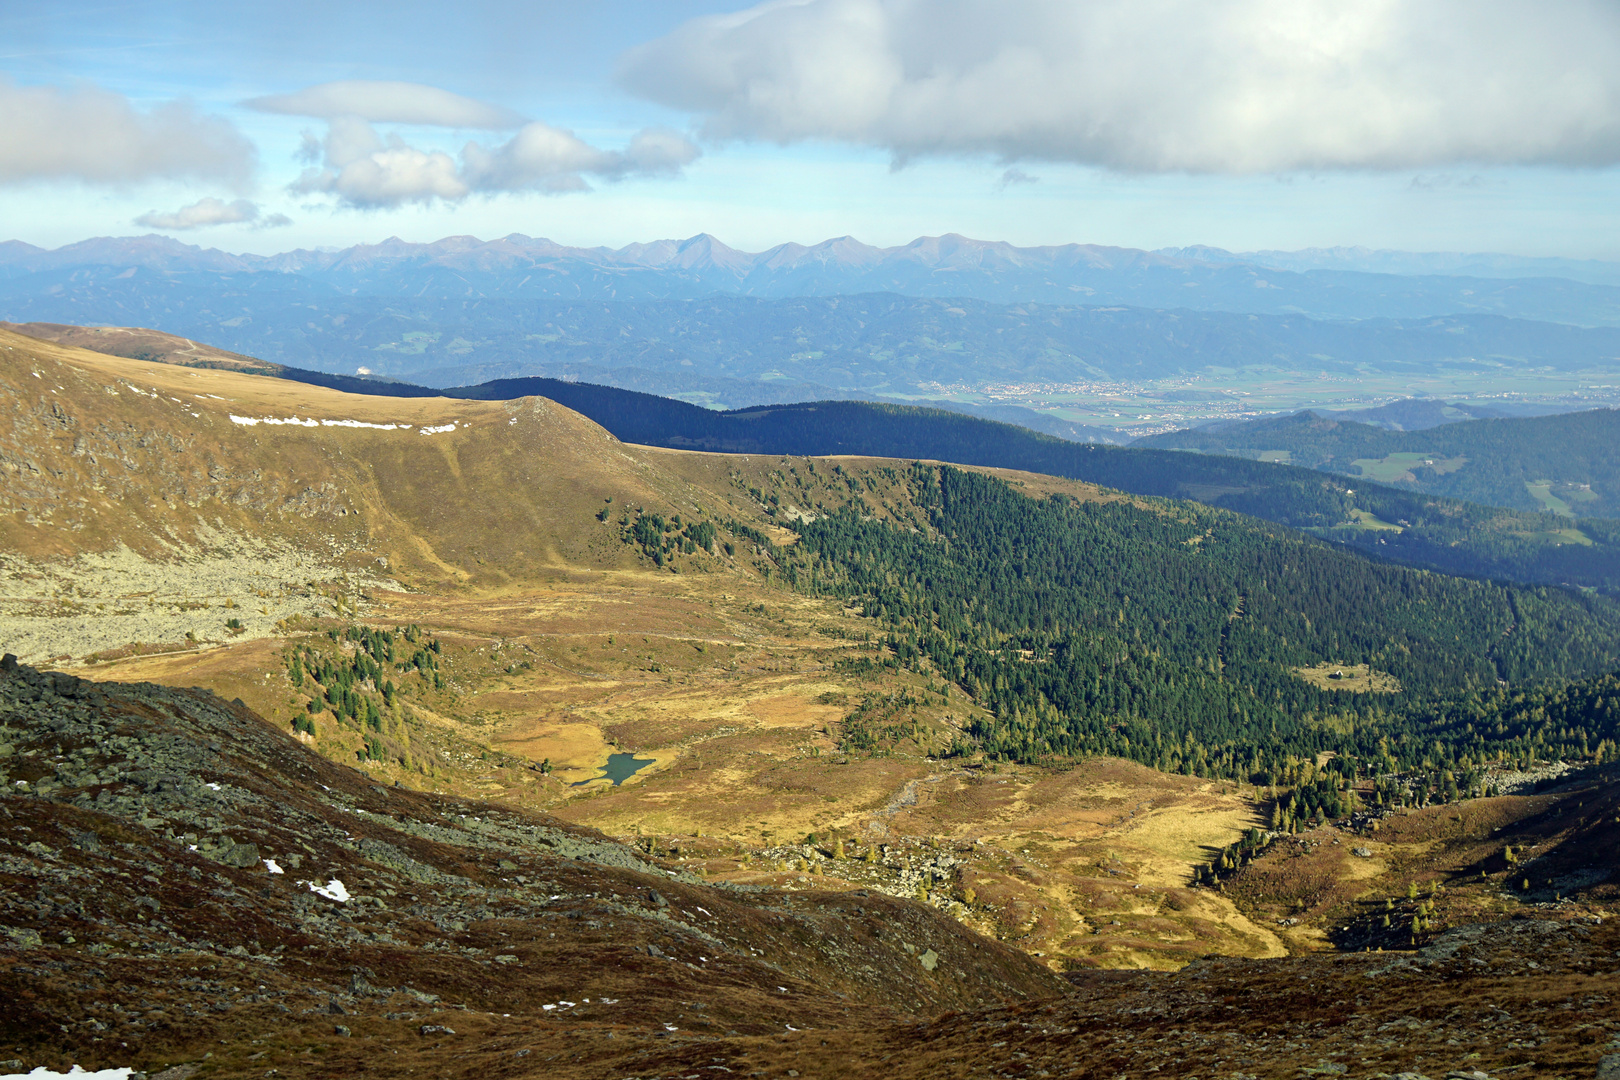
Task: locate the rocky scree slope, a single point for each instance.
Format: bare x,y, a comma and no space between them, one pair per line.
178,879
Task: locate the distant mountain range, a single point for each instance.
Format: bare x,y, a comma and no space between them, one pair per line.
938,319
1338,284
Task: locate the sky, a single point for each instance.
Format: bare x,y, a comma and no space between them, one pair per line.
1422,125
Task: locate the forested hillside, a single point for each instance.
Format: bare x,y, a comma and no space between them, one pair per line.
1174,635
1568,464
1406,526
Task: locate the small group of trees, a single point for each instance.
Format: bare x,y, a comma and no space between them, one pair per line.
353,679
661,540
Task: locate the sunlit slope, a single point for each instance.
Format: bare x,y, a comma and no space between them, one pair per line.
100,451
141,343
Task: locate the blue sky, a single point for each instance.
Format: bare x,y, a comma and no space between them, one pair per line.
1244,124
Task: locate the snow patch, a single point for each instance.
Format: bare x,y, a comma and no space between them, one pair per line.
42,1073
274,867
250,421
439,430
332,890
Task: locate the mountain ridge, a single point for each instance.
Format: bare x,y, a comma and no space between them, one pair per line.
940,266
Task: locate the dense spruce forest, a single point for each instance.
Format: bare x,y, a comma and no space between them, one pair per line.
1519,463
1171,634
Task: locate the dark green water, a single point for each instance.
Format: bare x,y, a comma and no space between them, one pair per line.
619,768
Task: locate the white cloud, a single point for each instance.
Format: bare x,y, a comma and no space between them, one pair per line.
364,170
389,102
545,158
95,136
368,171
1203,86
202,214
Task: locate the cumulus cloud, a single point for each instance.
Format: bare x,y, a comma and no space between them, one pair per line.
389,102
365,170
95,136
1206,86
369,171
208,212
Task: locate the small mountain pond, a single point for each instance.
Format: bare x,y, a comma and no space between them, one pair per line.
619,768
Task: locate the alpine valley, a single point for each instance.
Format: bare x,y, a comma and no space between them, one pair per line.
535,727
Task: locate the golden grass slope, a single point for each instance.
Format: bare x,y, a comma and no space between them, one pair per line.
140,343
100,451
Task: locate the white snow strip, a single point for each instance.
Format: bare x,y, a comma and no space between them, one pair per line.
214,786
566,1004
547,1008
250,421
332,890
439,430
42,1073
360,423
272,866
